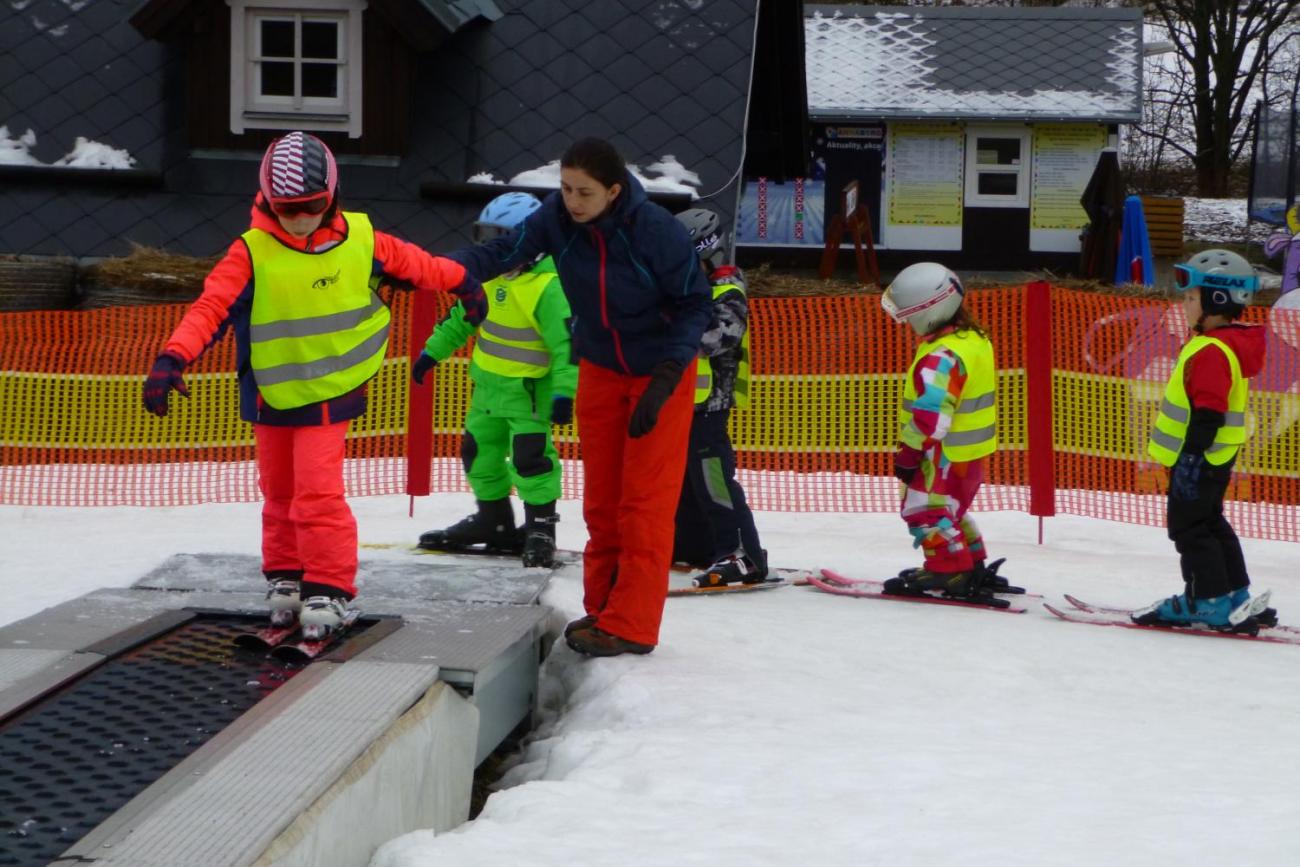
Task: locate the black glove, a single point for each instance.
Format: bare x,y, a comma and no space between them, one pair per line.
470,293
663,379
561,409
1186,476
163,377
907,461
423,365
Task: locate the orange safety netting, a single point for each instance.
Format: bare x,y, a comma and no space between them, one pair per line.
1080,376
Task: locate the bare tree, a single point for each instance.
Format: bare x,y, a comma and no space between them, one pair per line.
1226,44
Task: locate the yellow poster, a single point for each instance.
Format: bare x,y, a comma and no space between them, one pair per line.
1065,155
925,174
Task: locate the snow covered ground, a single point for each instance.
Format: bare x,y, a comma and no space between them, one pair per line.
794,727
1221,220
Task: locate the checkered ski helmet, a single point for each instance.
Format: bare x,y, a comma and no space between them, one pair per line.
298,167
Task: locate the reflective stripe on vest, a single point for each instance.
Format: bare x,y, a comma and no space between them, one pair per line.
510,340
1170,429
975,423
316,328
704,370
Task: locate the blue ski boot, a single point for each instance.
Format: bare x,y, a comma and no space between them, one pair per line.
1182,611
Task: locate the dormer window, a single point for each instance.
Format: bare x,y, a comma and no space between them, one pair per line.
296,64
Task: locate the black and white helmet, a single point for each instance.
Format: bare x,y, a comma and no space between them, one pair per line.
925,295
705,228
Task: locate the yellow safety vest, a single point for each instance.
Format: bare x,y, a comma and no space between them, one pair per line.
704,370
316,330
974,431
1170,429
510,339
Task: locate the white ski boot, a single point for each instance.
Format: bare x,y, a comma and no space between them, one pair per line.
284,597
322,616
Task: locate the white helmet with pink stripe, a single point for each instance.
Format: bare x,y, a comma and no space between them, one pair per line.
925,295
296,168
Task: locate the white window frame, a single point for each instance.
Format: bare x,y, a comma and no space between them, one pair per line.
250,110
974,199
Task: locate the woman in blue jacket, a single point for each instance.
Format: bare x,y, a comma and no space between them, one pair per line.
640,306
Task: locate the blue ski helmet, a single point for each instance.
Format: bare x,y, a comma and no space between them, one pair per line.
503,215
1227,281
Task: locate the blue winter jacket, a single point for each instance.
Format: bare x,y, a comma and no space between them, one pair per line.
632,278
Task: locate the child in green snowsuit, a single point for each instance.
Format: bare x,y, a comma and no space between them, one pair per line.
524,382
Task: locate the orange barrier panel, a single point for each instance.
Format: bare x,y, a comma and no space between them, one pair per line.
819,435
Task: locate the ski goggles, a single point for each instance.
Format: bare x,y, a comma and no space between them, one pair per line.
298,207
1187,277
484,232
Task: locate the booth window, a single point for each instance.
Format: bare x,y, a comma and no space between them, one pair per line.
997,168
296,64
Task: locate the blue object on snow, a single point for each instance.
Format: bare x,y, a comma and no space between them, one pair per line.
1134,264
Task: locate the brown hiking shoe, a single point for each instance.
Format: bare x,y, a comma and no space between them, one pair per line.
594,641
581,623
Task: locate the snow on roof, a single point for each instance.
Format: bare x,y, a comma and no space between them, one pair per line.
1076,64
85,154
669,176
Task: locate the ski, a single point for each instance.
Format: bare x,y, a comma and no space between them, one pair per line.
766,584
307,649
1123,622
839,585
266,638
563,556
843,580
1112,610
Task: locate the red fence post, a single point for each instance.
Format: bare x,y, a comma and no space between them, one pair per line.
1040,442
419,402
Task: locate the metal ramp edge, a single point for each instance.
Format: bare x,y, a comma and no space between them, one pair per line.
287,781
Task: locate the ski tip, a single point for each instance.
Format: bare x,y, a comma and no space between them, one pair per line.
1054,610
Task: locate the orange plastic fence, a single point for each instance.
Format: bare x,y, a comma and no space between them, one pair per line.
1080,376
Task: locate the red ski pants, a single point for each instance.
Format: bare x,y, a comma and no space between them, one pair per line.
306,522
629,499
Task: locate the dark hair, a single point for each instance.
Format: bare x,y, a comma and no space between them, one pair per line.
596,157
963,321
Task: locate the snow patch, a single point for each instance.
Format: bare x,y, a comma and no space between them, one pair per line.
667,175
17,152
85,154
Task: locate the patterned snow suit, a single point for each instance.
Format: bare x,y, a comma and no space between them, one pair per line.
713,517
949,417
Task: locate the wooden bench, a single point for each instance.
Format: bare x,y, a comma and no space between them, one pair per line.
1164,225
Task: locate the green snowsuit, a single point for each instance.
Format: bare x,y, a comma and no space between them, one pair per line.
521,360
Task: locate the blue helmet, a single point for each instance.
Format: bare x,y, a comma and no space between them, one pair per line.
1226,279
503,215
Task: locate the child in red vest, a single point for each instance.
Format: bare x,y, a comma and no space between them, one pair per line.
309,335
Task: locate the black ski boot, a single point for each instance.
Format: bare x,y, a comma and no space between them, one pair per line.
539,534
986,580
734,568
991,582
490,530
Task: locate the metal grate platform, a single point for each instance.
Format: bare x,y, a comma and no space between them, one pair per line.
72,759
